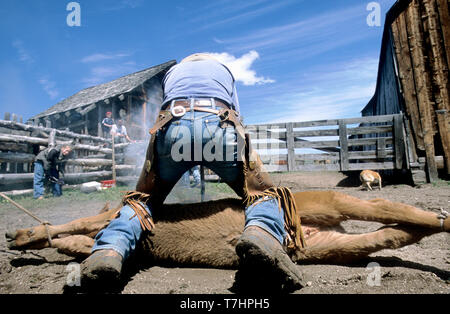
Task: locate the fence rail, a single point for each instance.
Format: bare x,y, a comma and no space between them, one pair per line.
92,160
375,142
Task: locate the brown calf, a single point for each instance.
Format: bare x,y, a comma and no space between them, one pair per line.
368,177
206,233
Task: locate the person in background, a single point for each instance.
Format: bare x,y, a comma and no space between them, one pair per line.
46,169
107,124
119,133
195,172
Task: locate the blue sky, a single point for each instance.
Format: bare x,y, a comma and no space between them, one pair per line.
294,60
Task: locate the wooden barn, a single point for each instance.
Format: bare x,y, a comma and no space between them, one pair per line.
413,80
135,98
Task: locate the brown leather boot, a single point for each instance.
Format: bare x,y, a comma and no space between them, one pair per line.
256,247
101,269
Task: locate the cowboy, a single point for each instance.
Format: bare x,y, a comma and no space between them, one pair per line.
47,165
119,132
199,124
107,124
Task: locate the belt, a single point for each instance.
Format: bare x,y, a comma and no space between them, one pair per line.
180,107
196,103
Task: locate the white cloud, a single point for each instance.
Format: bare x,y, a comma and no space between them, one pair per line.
218,13
107,67
96,57
241,67
303,38
23,53
322,104
326,92
125,4
49,87
104,73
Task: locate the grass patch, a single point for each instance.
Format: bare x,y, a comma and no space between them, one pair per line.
69,195
441,183
213,190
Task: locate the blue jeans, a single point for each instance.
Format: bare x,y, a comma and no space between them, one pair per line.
39,181
196,175
186,180
194,139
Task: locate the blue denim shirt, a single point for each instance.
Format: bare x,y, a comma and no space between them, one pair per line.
200,79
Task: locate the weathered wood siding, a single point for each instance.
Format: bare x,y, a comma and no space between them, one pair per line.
413,78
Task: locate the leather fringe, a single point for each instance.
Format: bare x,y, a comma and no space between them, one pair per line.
136,201
292,223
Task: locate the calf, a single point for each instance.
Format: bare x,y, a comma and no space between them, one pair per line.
369,177
206,233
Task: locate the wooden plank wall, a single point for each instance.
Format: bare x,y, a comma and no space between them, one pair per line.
421,35
373,142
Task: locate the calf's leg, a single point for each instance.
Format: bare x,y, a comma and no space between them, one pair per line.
335,247
329,208
31,237
72,245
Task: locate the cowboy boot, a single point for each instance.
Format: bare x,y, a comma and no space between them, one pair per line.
258,248
100,272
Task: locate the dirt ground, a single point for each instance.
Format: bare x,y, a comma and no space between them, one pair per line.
420,268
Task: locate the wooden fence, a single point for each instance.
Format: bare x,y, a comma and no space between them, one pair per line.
92,159
376,142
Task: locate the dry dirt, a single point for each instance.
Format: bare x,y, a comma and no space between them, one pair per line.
420,268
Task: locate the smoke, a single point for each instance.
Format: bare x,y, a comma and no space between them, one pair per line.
135,153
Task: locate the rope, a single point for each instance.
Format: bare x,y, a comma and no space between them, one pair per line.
136,201
45,223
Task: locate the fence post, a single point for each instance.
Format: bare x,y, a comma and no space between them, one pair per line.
343,143
290,146
398,141
99,121
113,159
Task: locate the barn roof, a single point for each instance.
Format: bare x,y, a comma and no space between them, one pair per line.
100,92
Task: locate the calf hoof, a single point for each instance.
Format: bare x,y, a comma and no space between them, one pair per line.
11,235
11,239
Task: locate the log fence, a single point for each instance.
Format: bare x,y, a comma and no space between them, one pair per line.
91,160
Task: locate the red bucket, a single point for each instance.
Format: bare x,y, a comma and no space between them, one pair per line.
108,183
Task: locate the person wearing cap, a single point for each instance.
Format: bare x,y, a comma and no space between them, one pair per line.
200,110
107,124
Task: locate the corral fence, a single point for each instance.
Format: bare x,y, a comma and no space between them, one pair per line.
375,142
92,158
